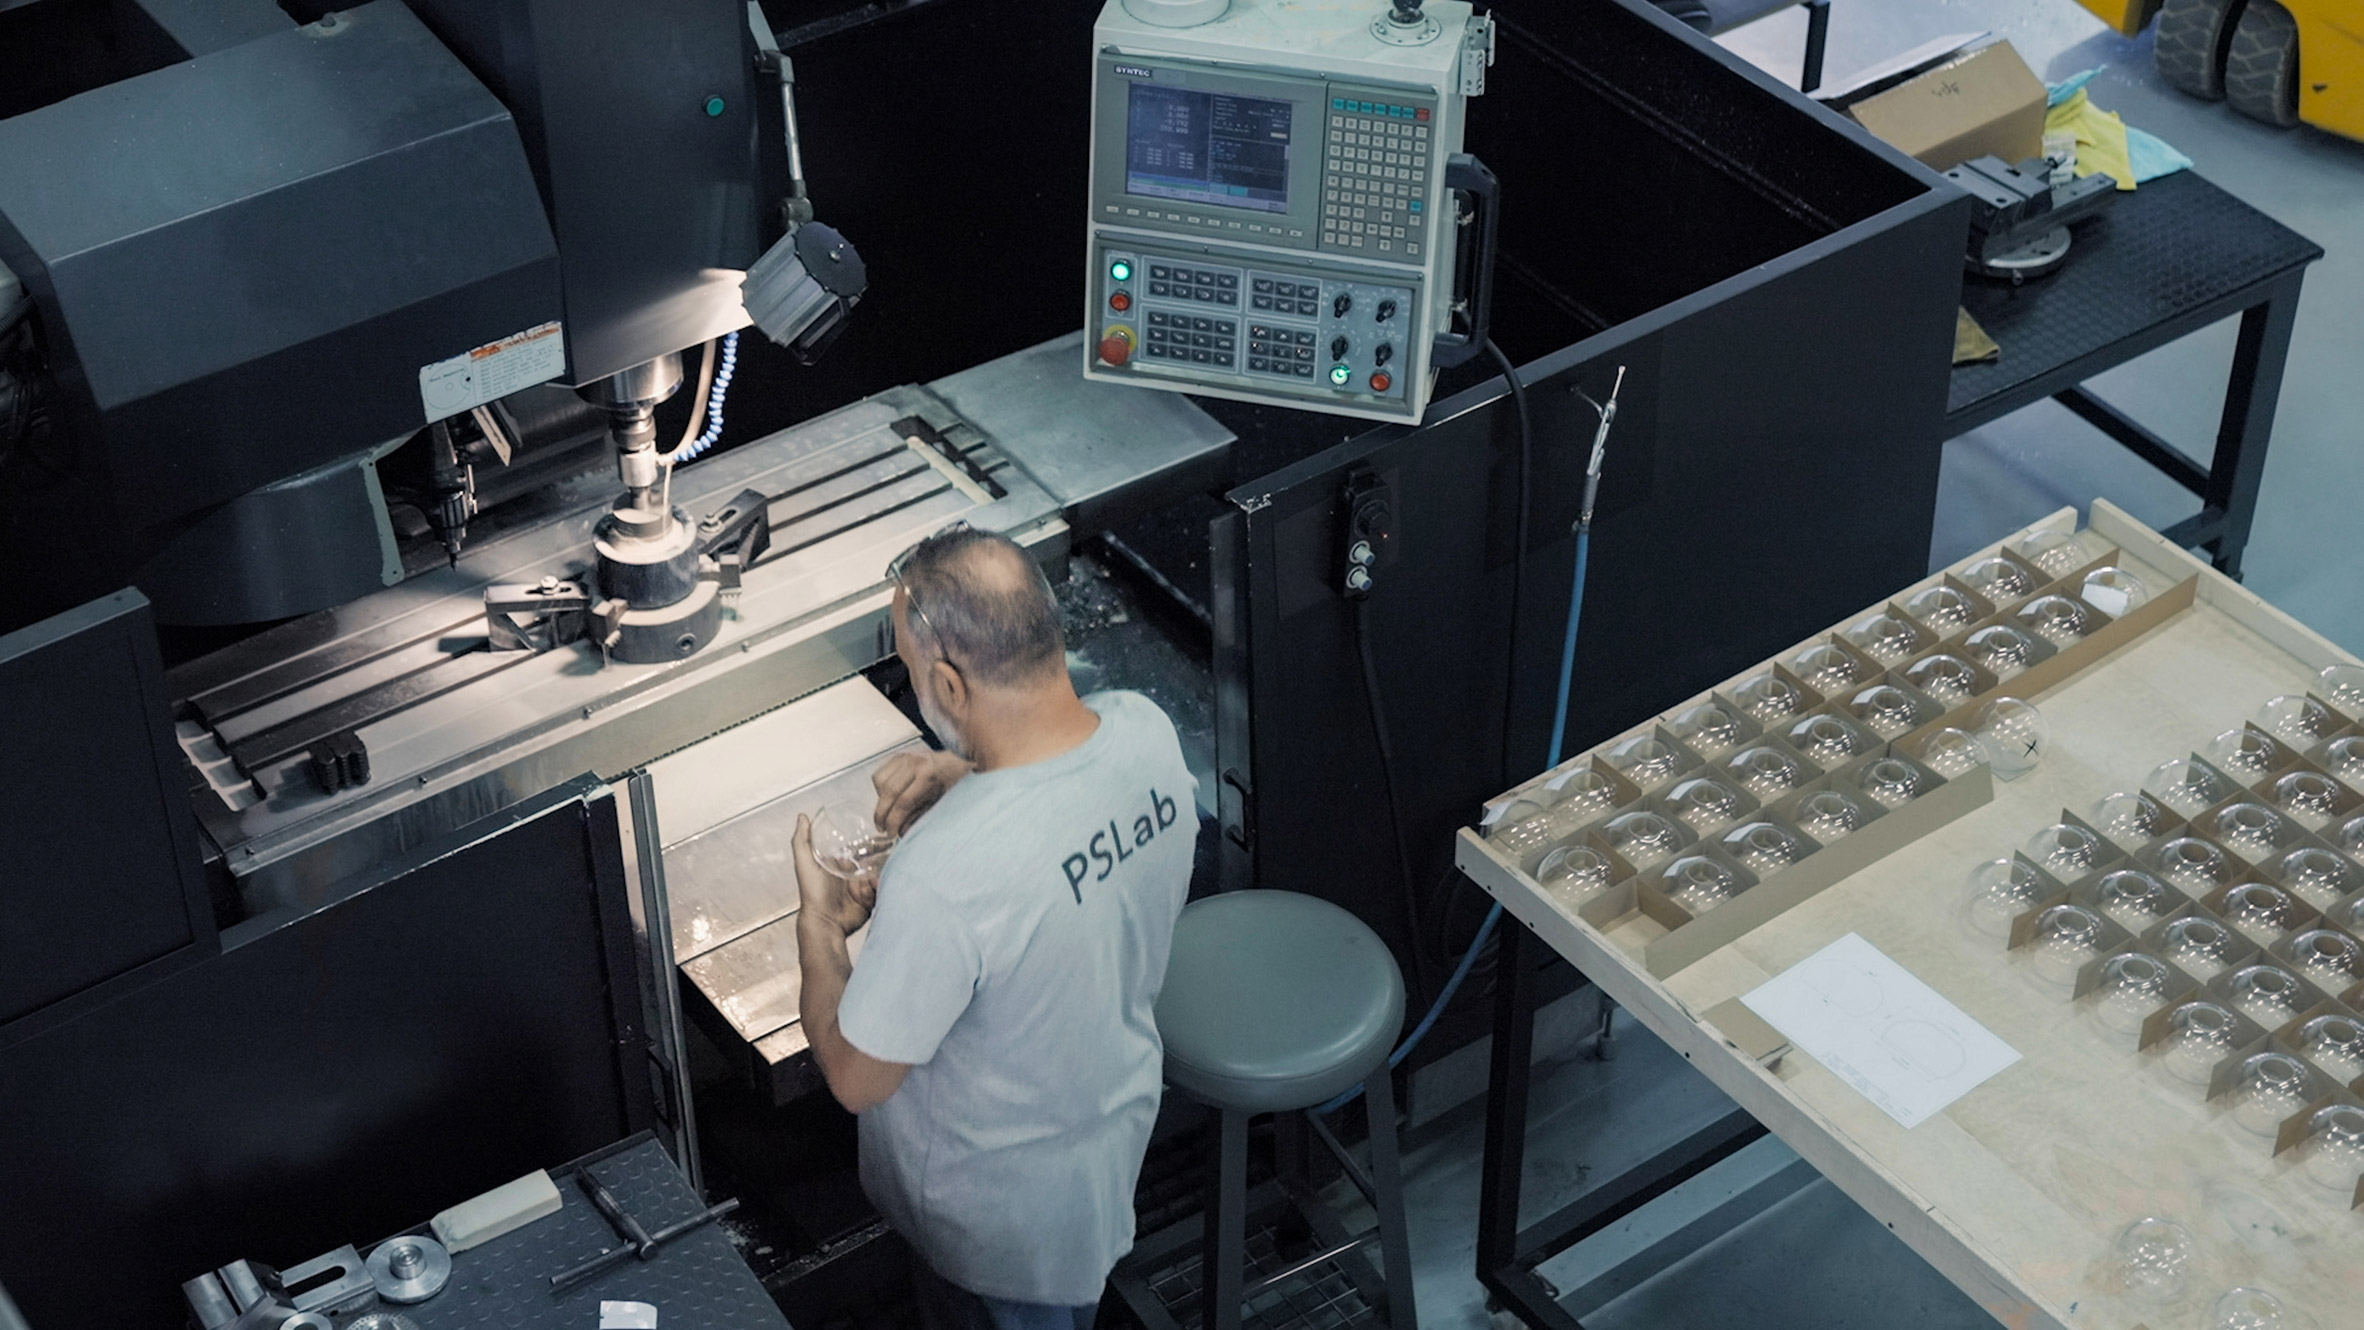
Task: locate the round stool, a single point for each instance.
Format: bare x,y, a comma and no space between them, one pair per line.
1277,1002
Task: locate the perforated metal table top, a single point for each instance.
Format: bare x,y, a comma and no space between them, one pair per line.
2168,250
696,1282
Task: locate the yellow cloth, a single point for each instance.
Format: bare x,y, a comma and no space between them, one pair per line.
2101,137
1971,344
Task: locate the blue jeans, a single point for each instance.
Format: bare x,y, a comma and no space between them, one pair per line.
946,1306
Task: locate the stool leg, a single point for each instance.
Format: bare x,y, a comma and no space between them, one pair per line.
1223,1256
1387,1179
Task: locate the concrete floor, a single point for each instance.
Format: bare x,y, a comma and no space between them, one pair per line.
1815,1260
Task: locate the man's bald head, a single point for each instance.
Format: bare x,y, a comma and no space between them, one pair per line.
989,609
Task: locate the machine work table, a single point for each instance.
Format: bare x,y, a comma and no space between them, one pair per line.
2017,1191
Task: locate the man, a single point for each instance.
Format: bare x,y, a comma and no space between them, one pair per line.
997,1038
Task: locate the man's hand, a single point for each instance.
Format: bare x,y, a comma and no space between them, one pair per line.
826,897
909,784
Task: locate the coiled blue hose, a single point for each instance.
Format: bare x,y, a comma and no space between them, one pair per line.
714,401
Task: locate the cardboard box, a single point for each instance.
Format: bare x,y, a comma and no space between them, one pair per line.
1988,103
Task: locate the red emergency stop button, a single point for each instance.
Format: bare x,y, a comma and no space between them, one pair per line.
1116,345
1382,381
1120,302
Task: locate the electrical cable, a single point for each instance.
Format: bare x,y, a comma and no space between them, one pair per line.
689,429
1395,811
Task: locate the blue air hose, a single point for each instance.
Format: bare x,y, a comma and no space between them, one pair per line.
714,401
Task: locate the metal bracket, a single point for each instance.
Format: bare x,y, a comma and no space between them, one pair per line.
1477,54
552,615
735,536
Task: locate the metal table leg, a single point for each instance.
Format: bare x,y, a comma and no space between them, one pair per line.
2248,423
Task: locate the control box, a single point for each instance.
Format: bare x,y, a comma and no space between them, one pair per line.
1274,201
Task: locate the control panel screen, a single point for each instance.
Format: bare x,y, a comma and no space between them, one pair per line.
1208,147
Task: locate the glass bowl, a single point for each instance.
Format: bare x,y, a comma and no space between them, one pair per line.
1646,760
2114,591
2336,1044
2056,619
849,842
2067,939
2001,890
2199,946
1709,728
1891,782
1699,884
2052,553
2186,786
2156,1259
1885,638
2135,899
2342,684
1574,874
2248,829
2349,837
1769,697
2297,720
2317,876
2348,915
2309,797
1584,796
2014,735
1948,678
2267,994
1885,709
1951,752
1827,668
1706,805
2259,912
2199,1036
2333,1152
2269,1090
2066,851
2128,817
2329,957
1999,580
1943,610
2131,987
2249,1309
2002,649
1830,740
2194,865
1764,848
1826,815
2345,759
2243,754
1643,839
1766,771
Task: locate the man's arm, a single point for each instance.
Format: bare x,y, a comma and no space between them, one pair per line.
831,909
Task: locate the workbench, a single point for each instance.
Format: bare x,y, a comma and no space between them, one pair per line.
2017,1191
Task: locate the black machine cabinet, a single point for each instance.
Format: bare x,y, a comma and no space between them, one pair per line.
1780,291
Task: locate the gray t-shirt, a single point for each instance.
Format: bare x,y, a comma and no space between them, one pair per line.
1014,961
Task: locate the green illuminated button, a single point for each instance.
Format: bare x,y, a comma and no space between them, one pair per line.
1339,374
1121,270
714,106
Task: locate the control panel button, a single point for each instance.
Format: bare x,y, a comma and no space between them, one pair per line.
1381,381
1116,346
1341,374
1120,301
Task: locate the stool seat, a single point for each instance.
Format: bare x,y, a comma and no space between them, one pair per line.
1275,1000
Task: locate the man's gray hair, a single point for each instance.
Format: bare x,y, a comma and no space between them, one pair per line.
989,607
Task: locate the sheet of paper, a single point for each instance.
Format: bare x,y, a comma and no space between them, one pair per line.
1879,1029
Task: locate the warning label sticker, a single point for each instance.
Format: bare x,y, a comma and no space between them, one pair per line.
497,369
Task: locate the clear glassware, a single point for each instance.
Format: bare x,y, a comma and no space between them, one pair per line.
2199,1036
1885,638
2128,817
1885,709
2350,837
1706,805
1766,771
2243,754
2269,1090
2199,946
2317,876
1942,609
1709,728
2135,899
1950,679
1574,873
2194,865
1999,580
2001,890
1826,669
1829,740
2186,786
2002,649
2052,553
2114,591
2336,1044
2267,994
1951,752
1764,848
2333,1152
2156,1259
2066,851
2249,1309
2329,957
1643,839
2259,912
1584,796
2309,797
849,843
1768,697
1891,782
2297,720
2250,830
2056,619
2345,759
1699,884
1826,815
2068,938
2348,915
2342,684
1646,760
2132,986
2014,735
